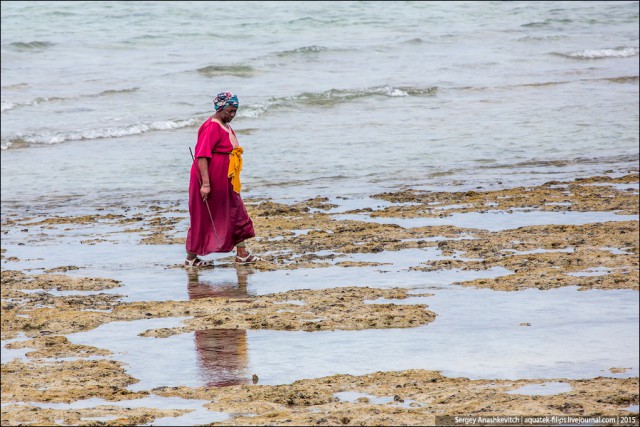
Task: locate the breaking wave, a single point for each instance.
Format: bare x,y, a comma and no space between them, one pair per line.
618,52
56,137
322,99
332,97
303,50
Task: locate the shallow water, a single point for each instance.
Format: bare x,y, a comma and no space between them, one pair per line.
544,389
11,354
198,414
352,396
496,220
477,334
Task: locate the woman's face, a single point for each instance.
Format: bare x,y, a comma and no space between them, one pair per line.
227,114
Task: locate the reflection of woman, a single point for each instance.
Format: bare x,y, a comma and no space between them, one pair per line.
219,220
222,353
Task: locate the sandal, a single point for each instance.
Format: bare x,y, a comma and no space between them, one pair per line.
249,259
197,262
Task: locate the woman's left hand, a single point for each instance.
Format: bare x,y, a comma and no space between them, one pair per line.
205,189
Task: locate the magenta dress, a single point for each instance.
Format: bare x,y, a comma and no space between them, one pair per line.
232,222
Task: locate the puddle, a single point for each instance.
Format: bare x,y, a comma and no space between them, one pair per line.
353,397
145,282
558,204
143,268
476,334
395,260
198,415
631,408
212,358
591,272
403,259
616,251
496,220
216,357
629,186
458,206
291,301
383,276
438,238
349,204
296,233
537,251
544,389
7,354
143,279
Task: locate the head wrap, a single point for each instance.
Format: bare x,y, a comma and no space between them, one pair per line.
224,99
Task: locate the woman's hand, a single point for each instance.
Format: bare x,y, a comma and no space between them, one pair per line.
205,189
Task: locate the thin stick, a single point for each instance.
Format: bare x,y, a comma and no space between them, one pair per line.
205,202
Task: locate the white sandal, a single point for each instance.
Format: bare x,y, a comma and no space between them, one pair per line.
249,259
197,262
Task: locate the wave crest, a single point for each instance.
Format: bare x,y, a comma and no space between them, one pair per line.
618,52
332,97
344,95
321,99
303,50
53,137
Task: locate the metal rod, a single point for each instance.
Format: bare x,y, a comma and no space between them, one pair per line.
205,202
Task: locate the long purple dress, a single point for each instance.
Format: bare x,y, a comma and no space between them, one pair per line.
232,222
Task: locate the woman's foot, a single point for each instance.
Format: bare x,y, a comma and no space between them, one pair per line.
247,259
197,262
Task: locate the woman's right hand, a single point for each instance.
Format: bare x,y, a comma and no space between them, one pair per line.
205,189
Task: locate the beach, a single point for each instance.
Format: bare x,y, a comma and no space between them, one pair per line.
446,204
42,308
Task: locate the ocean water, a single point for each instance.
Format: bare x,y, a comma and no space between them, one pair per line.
101,100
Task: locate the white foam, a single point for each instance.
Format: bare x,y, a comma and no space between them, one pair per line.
6,105
56,137
624,52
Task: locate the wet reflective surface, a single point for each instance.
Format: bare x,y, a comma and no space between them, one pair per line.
222,353
544,389
478,333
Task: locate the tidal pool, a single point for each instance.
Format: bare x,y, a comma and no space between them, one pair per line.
496,220
478,333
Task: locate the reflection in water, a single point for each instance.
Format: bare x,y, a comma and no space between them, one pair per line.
222,353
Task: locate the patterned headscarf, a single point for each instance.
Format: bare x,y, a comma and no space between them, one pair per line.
224,99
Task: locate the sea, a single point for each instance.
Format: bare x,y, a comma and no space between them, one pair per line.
101,100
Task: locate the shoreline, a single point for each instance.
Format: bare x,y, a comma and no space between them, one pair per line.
43,302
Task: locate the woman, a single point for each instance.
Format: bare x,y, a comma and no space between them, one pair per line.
219,220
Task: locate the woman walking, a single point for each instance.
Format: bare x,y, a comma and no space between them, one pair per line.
219,219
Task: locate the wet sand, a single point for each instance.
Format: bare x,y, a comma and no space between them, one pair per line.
40,306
